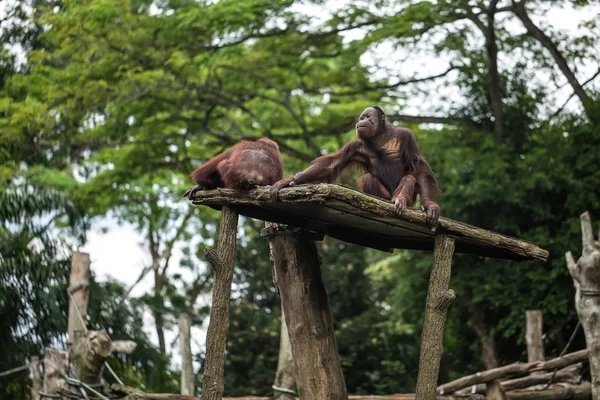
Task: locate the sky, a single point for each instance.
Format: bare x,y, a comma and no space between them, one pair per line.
116,250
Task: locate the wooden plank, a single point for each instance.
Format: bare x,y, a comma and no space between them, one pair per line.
408,231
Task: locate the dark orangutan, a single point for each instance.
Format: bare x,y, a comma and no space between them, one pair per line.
394,167
244,166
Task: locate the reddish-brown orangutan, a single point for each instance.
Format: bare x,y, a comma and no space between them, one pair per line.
244,166
394,167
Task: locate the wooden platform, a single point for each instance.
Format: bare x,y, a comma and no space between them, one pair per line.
358,218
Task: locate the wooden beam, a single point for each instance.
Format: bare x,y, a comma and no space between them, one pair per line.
307,314
439,298
222,262
322,193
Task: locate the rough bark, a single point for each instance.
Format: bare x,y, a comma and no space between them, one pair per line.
321,193
439,298
515,369
307,315
222,261
187,367
36,378
533,336
495,88
88,354
79,282
534,31
586,279
55,365
284,386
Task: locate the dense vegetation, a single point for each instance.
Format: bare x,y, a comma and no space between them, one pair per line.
107,105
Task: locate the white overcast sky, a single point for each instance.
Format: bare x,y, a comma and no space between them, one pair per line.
118,253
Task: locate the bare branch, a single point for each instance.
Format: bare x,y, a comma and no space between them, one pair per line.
437,120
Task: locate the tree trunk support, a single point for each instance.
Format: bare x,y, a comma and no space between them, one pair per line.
222,261
307,313
187,368
79,282
586,279
439,298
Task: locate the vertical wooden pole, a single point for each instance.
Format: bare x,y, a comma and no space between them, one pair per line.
533,336
586,279
36,378
187,369
79,282
222,262
307,314
439,298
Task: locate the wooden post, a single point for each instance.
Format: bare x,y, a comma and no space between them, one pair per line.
187,368
222,262
55,365
586,279
307,314
87,355
439,298
533,336
36,378
284,387
79,282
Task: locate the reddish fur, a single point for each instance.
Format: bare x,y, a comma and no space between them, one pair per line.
395,168
244,166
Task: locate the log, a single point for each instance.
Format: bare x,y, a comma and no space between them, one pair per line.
307,315
222,262
187,368
586,279
533,336
79,282
321,193
439,298
571,374
554,392
87,355
127,393
516,369
36,378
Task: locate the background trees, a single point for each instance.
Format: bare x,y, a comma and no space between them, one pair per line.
106,105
